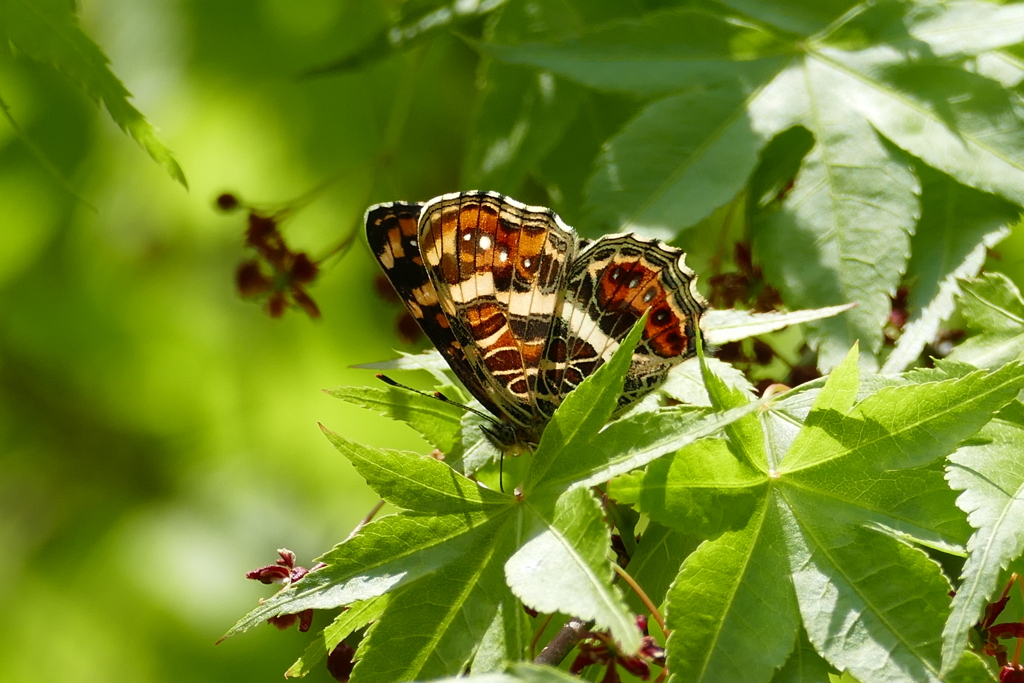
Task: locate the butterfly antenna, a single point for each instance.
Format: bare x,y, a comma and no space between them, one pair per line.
437,395
501,472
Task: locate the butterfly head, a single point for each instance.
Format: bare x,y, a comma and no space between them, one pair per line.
507,438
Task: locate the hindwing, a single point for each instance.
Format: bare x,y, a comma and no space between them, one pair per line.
613,282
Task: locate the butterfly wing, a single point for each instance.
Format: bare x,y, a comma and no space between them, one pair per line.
610,285
391,230
500,269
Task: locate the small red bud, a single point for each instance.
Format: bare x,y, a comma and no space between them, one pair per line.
260,228
385,290
283,622
1011,673
276,305
271,574
1005,631
305,620
340,662
251,281
763,353
227,202
303,270
305,302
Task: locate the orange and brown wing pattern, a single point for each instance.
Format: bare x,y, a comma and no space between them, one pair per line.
499,268
612,283
522,310
392,232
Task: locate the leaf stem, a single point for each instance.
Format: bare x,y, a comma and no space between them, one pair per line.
624,575
564,641
1020,641
367,519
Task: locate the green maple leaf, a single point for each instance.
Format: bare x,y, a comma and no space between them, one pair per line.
47,31
459,560
812,528
869,81
994,311
990,472
988,469
958,224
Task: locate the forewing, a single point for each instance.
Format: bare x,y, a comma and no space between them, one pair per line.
392,232
500,268
611,284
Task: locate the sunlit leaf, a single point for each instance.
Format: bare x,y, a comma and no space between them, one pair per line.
563,567
843,232
994,311
721,327
438,421
957,225
836,515
416,24
732,608
357,616
647,57
990,473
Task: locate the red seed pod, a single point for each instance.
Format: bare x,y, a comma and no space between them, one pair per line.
227,202
993,610
260,228
303,270
276,305
611,674
763,353
744,260
408,329
636,666
1011,673
340,662
283,622
727,289
273,573
732,352
768,299
287,558
385,290
305,620
1005,631
305,302
251,281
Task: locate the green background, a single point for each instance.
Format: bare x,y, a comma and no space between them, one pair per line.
158,435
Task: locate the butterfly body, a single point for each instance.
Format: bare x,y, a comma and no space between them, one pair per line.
523,310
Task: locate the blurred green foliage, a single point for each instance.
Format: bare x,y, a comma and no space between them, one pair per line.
158,435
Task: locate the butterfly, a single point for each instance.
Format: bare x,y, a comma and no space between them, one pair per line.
523,310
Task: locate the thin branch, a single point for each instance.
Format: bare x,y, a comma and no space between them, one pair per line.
1020,641
564,641
540,632
651,607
